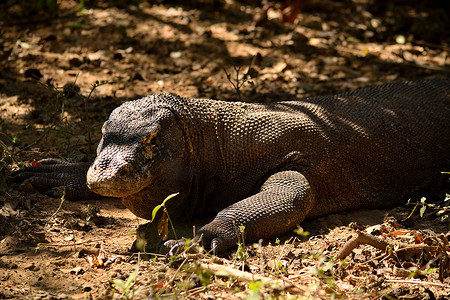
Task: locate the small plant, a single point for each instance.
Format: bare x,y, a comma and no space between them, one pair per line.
163,223
301,232
254,290
324,272
6,159
442,210
239,81
59,123
205,277
241,253
126,288
93,212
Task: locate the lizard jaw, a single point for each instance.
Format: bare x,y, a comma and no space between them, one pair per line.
107,190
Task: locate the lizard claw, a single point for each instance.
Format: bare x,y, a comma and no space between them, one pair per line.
26,186
215,244
32,185
173,247
55,179
57,192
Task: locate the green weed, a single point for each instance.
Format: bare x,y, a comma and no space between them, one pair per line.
442,210
241,252
75,131
126,288
239,80
8,149
165,220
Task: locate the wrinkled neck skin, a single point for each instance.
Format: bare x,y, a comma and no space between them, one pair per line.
204,166
216,153
159,187
203,122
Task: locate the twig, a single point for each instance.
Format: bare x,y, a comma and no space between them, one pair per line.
86,112
77,243
167,283
382,256
220,270
194,291
431,205
418,282
359,239
281,253
402,272
295,284
405,251
59,208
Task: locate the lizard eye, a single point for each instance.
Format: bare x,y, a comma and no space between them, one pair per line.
150,140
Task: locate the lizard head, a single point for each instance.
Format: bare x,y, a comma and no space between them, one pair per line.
142,147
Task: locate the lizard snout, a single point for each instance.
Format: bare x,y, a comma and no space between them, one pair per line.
110,178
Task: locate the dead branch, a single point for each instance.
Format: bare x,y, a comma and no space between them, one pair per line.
405,252
89,241
419,282
359,239
402,272
228,271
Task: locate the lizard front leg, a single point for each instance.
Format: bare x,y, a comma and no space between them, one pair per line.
54,178
285,199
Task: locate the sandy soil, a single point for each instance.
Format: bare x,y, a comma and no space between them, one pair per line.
49,64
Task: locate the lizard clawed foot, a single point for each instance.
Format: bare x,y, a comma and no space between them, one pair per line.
55,179
173,247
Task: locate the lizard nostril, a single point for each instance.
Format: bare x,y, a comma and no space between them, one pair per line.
123,172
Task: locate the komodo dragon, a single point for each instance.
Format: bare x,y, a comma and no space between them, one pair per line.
264,166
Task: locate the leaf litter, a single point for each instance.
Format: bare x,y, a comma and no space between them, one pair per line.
295,49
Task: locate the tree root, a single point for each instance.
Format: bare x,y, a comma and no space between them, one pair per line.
359,239
405,251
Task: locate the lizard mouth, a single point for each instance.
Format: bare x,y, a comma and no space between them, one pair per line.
110,191
117,183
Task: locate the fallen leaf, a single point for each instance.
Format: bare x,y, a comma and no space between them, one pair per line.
98,259
418,239
163,226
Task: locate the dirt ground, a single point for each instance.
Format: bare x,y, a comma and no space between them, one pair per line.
62,72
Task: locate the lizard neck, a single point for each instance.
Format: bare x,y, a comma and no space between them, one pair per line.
206,125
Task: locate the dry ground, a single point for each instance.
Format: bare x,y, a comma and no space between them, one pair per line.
51,250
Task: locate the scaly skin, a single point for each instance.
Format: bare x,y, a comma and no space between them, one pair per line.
269,166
